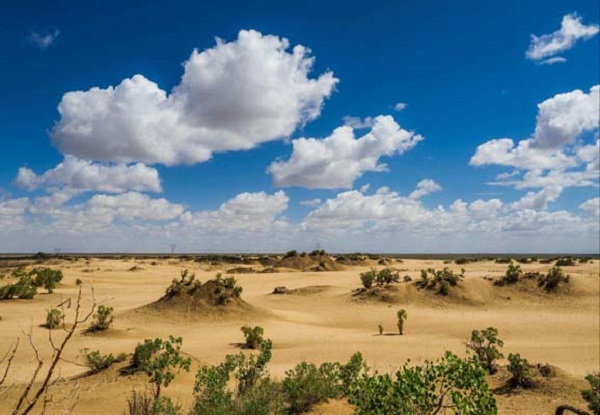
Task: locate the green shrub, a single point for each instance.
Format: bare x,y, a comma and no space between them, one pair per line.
402,316
592,395
451,384
368,278
98,362
102,319
553,280
485,344
54,318
145,404
519,368
565,262
512,275
253,336
24,288
46,277
441,280
291,254
381,278
158,359
307,385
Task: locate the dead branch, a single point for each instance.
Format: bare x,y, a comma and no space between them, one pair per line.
561,410
10,355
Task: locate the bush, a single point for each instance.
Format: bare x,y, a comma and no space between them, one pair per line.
512,275
450,384
402,316
253,336
565,262
158,358
503,261
307,385
24,288
54,318
553,280
98,362
439,280
462,261
145,404
46,277
381,278
102,319
592,395
291,254
485,344
519,368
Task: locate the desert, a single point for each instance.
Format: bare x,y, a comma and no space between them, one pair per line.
320,313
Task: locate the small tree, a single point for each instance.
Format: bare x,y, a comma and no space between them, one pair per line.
254,336
47,278
368,278
402,316
513,272
485,344
54,318
102,319
519,368
158,358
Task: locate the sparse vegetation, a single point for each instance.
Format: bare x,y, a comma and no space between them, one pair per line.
439,281
520,369
553,280
383,277
102,319
512,275
449,384
98,362
54,318
592,395
485,344
402,316
253,336
565,262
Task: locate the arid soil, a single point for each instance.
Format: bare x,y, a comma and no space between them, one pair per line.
317,320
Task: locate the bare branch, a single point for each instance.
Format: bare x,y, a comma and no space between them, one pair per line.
10,355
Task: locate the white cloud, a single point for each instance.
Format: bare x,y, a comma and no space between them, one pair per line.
400,106
311,202
552,61
233,96
425,187
12,213
591,207
564,117
78,175
571,30
539,200
358,123
557,154
45,40
247,212
133,205
339,159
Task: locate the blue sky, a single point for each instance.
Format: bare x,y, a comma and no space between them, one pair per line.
231,148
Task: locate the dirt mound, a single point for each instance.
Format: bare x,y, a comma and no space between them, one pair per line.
188,296
384,294
309,263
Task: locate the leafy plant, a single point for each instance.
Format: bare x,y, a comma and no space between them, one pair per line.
253,335
98,362
553,280
381,278
24,288
46,277
102,319
158,358
519,368
592,395
307,385
54,318
512,275
485,344
440,280
451,384
402,316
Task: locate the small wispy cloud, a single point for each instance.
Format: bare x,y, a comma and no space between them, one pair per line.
44,40
400,106
552,61
311,202
571,30
358,123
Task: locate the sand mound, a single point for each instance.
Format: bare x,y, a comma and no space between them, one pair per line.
190,298
309,263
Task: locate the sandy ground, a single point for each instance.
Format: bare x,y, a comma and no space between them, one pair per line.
327,324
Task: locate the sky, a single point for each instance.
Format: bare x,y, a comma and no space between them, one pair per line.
387,126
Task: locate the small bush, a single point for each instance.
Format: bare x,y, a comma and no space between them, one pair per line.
503,261
441,280
592,395
102,319
98,362
381,278
145,404
368,278
291,254
54,318
24,288
519,368
253,336
462,261
553,280
512,275
565,262
47,278
485,344
307,385
402,316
